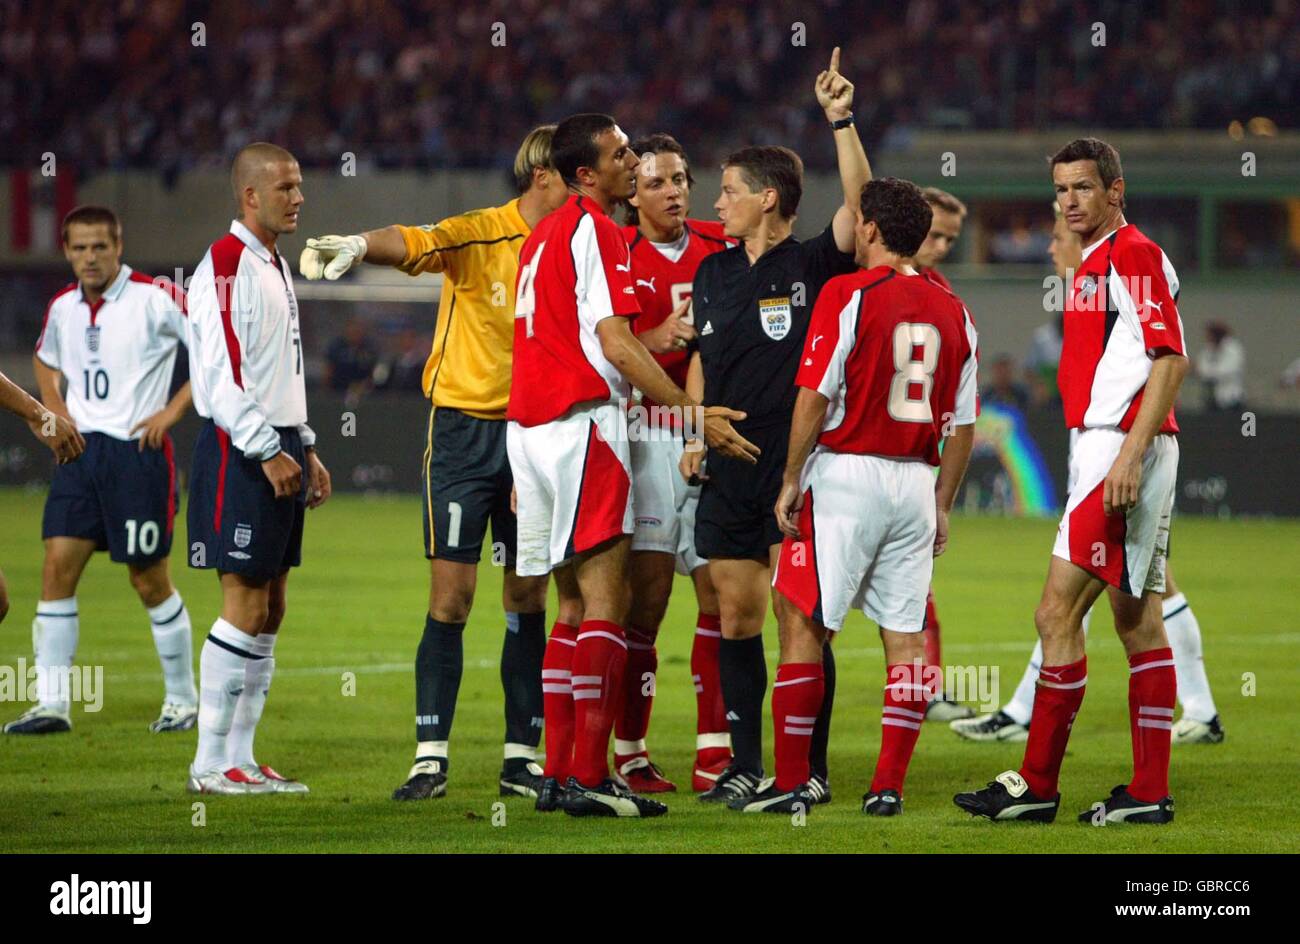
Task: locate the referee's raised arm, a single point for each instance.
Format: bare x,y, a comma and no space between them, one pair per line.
835,95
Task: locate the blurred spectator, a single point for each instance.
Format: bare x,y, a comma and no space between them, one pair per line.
403,372
1042,360
424,84
1221,366
350,360
1020,243
1290,378
1002,387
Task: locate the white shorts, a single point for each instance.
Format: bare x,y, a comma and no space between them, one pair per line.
1127,551
663,504
867,527
573,485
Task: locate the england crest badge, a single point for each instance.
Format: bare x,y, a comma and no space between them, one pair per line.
243,535
92,338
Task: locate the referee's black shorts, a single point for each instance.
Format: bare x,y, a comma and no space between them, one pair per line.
735,515
466,484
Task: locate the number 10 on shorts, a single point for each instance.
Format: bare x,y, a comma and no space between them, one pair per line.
141,538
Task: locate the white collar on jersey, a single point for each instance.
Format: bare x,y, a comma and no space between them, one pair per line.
1088,252
252,242
114,291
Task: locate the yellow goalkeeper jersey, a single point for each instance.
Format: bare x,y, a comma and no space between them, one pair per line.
478,255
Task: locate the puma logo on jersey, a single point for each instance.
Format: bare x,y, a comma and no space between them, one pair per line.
816,338
1155,305
625,267
650,285
708,328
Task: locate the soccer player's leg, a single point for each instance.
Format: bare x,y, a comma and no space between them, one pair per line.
239,528
1137,607
457,497
1200,721
557,688
72,528
650,579
140,510
712,737
651,567
943,707
523,647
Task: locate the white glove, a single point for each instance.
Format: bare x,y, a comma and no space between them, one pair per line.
331,256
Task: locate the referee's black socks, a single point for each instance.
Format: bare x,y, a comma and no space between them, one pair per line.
521,680
743,671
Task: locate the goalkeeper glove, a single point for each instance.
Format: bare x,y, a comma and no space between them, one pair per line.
331,256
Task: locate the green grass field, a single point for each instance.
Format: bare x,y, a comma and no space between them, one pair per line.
357,606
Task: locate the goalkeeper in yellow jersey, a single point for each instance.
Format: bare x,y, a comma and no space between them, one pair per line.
466,474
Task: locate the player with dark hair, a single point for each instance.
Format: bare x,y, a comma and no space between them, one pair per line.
667,248
889,369
255,470
466,472
1122,363
112,335
574,356
752,305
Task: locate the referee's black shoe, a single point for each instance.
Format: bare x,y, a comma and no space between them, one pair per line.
426,781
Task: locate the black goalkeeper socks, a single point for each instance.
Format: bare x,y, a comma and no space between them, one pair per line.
744,683
439,662
521,677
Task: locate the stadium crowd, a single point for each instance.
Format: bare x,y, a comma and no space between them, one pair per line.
173,85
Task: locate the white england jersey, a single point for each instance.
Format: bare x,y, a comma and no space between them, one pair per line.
245,345
117,354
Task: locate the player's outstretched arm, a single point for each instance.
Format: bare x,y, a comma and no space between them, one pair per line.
54,431
634,362
835,96
1120,490
809,416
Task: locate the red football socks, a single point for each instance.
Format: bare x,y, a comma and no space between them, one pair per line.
598,664
1056,702
557,699
712,736
906,696
796,699
1152,691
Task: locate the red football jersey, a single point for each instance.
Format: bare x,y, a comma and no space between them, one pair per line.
897,357
934,276
574,271
1122,314
663,278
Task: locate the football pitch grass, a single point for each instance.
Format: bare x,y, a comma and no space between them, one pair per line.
357,605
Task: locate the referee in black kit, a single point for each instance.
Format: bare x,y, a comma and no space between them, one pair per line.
751,307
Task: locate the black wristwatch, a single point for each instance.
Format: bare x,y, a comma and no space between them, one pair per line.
842,123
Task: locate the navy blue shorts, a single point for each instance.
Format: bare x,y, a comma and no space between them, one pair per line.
467,482
117,496
236,523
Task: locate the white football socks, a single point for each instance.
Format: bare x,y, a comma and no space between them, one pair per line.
54,639
248,709
172,637
221,680
1185,639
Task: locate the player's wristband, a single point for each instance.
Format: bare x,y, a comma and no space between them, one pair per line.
842,123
